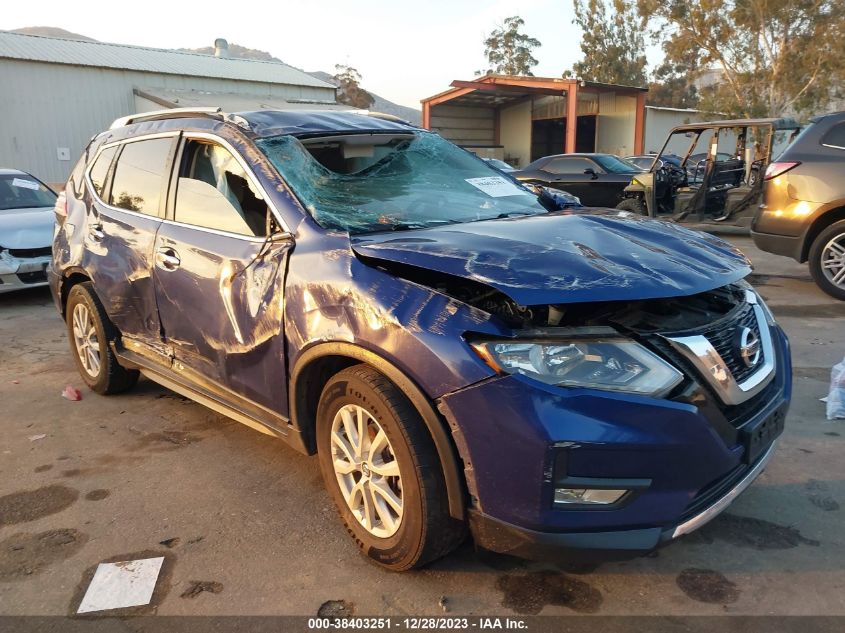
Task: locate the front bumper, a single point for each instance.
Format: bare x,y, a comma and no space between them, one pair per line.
17,273
506,538
516,436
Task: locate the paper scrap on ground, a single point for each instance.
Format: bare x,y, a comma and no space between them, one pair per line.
72,393
119,585
40,436
496,186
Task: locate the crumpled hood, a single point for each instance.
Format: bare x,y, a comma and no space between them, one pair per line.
568,258
26,228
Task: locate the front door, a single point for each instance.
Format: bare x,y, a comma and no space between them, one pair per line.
219,278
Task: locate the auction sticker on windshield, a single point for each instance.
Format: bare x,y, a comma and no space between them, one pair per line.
26,184
496,186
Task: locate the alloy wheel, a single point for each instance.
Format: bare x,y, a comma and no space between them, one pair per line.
367,471
833,261
86,340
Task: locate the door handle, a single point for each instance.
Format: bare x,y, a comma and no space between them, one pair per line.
96,232
167,258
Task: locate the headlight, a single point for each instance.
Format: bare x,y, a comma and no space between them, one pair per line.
612,364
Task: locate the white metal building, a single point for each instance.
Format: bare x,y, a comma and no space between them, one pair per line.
57,93
659,121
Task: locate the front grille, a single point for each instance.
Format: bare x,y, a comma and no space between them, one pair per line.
37,277
26,253
724,337
741,413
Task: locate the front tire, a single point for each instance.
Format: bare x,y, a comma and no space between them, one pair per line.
381,469
827,260
91,332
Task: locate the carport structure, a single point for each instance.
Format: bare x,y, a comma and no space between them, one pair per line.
520,119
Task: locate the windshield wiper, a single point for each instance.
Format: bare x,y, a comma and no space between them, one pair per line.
509,214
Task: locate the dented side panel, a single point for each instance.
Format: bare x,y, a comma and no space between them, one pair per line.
119,262
333,297
221,310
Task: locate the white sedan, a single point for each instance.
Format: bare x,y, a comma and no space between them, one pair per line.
26,230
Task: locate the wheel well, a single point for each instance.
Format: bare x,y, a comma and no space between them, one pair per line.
307,390
820,224
319,363
69,282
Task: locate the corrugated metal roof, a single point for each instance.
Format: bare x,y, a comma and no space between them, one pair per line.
154,60
231,102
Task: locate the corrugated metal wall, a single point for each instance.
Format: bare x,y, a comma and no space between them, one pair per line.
464,125
45,106
616,125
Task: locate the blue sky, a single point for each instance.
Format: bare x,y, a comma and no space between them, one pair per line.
405,51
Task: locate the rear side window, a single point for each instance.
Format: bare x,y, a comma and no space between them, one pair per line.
835,136
139,176
215,192
100,169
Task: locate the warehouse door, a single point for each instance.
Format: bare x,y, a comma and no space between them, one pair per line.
548,136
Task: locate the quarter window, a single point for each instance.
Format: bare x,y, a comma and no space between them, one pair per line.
140,175
101,169
215,192
835,136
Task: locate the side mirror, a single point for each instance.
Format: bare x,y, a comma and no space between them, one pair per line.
591,173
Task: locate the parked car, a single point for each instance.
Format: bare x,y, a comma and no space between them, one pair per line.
457,352
499,164
598,180
697,163
803,211
26,230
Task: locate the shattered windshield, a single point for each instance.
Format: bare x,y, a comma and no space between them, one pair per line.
379,182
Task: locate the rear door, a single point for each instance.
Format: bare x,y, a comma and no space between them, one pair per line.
129,183
219,275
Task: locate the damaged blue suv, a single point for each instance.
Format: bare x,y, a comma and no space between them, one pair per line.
461,353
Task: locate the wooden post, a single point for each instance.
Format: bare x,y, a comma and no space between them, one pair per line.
571,116
639,124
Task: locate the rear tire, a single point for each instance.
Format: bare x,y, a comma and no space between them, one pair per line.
634,205
827,260
392,499
91,333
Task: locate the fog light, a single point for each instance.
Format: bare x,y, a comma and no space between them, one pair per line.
592,496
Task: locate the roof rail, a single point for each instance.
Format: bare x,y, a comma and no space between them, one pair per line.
171,113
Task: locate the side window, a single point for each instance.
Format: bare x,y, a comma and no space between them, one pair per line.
570,166
215,192
835,136
140,175
101,168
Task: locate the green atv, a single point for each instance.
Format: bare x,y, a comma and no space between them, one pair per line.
709,173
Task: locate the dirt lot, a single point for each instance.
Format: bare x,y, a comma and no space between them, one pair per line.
149,473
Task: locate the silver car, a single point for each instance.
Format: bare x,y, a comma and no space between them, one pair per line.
26,230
